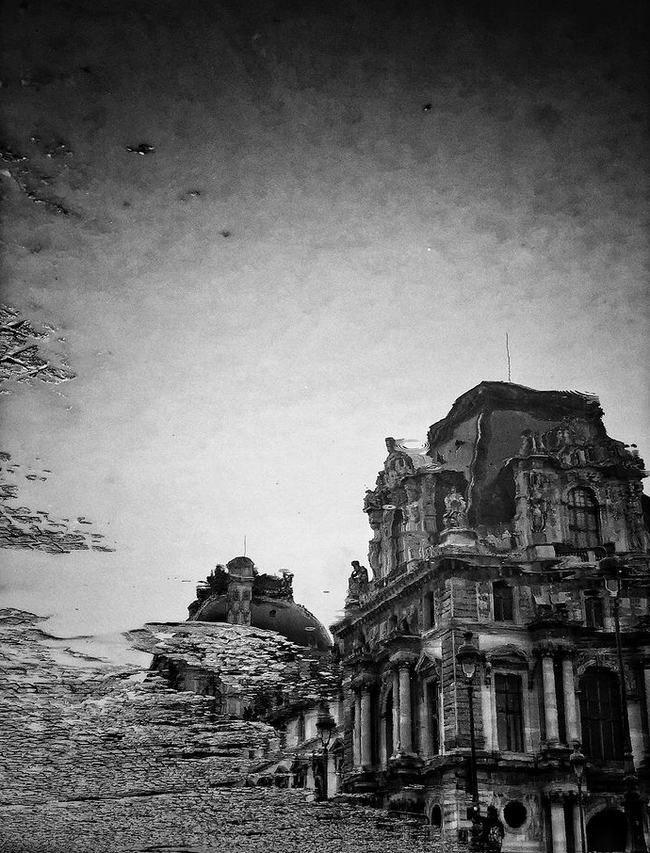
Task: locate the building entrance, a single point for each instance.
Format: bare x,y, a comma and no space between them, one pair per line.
606,831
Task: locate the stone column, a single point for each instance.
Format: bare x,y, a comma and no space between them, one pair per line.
310,782
570,704
558,833
493,717
356,734
383,745
636,731
486,710
646,682
550,700
397,744
577,828
332,778
406,743
366,727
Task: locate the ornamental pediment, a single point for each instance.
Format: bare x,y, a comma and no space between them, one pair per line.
507,654
428,663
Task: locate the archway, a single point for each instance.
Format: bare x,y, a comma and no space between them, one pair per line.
607,831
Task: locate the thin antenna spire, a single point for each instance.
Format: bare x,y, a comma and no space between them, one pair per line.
508,357
244,544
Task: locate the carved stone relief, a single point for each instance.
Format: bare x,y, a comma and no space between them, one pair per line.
455,510
484,602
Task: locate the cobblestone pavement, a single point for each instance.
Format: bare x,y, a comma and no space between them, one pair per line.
101,758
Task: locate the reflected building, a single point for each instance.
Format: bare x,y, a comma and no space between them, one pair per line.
224,651
521,521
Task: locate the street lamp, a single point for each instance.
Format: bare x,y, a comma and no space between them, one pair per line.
325,725
578,762
613,571
469,657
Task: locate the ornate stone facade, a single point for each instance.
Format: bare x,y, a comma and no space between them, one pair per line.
522,522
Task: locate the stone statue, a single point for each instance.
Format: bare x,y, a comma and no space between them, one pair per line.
357,583
371,501
536,484
286,584
456,510
360,573
526,447
404,627
537,514
374,553
531,442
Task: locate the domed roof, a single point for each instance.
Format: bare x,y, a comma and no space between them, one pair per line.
260,600
291,620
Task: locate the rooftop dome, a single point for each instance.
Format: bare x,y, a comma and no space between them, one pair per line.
239,594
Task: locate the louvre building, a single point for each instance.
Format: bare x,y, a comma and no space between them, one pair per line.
497,650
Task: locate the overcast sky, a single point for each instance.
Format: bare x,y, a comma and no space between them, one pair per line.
347,207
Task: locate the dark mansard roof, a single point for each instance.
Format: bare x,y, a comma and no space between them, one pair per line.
504,396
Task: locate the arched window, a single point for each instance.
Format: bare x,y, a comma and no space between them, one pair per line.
600,710
607,830
584,526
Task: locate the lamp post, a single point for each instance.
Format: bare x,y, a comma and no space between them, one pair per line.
468,656
325,725
613,569
578,762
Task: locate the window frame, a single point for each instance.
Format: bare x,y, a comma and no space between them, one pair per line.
500,586
510,678
590,622
596,725
432,689
584,527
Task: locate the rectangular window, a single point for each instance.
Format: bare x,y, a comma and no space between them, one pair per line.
600,709
429,610
502,596
509,695
434,717
594,616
